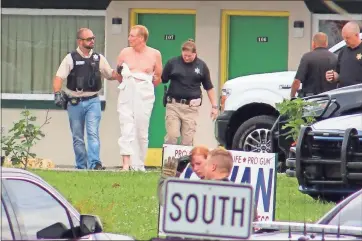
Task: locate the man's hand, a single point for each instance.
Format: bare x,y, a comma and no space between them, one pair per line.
331,76
214,112
58,99
169,168
116,76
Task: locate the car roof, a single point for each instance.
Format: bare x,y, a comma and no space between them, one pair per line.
351,89
7,171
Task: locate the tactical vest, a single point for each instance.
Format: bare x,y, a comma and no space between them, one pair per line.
85,74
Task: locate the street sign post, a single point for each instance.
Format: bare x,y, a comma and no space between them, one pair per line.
207,209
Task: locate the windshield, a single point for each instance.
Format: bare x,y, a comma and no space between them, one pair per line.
349,215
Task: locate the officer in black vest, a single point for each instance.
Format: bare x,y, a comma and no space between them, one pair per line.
83,69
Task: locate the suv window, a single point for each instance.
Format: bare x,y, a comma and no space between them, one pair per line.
36,208
350,215
5,233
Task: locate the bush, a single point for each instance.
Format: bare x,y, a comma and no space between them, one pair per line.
21,138
294,110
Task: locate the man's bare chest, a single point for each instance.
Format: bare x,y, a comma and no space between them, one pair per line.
144,62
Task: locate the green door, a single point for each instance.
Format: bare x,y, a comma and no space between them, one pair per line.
167,32
257,45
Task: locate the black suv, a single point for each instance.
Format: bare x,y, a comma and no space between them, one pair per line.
338,102
328,162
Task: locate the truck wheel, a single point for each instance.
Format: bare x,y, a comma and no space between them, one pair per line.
254,135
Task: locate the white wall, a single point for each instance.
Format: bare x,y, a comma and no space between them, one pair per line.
57,144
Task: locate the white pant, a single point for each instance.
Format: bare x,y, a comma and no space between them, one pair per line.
135,104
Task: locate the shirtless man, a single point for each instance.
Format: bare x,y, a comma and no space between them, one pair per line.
141,71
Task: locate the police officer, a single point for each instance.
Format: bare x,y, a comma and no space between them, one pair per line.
312,69
83,69
183,98
349,66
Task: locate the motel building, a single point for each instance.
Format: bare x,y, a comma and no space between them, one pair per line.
36,35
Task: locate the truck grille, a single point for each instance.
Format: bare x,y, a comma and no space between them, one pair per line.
329,158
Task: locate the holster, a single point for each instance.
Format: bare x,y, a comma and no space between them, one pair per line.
164,101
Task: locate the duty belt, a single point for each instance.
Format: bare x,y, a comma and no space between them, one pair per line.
76,100
181,101
87,97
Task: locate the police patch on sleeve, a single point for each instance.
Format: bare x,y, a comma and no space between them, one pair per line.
95,57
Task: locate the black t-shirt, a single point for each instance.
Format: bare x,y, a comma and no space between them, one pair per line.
186,78
349,66
312,70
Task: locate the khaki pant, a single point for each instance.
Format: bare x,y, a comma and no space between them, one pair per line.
180,119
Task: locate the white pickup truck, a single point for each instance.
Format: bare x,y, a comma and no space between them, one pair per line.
248,109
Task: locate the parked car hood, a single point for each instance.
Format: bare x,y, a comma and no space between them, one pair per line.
111,236
344,89
276,79
295,236
340,123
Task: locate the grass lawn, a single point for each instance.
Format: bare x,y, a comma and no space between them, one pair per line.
127,202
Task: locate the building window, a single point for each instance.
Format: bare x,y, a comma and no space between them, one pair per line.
35,41
333,28
332,24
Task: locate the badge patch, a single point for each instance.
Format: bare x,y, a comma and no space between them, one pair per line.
95,57
359,56
197,70
74,101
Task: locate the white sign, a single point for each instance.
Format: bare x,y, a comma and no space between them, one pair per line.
207,209
256,169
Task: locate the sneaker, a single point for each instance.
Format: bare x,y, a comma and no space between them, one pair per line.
99,167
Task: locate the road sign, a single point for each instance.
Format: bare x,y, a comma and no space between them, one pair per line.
207,209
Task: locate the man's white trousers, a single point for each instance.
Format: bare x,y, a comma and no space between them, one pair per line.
135,103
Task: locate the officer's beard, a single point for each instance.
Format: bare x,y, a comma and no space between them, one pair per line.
88,47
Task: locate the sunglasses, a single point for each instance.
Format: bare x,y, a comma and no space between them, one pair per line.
88,39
